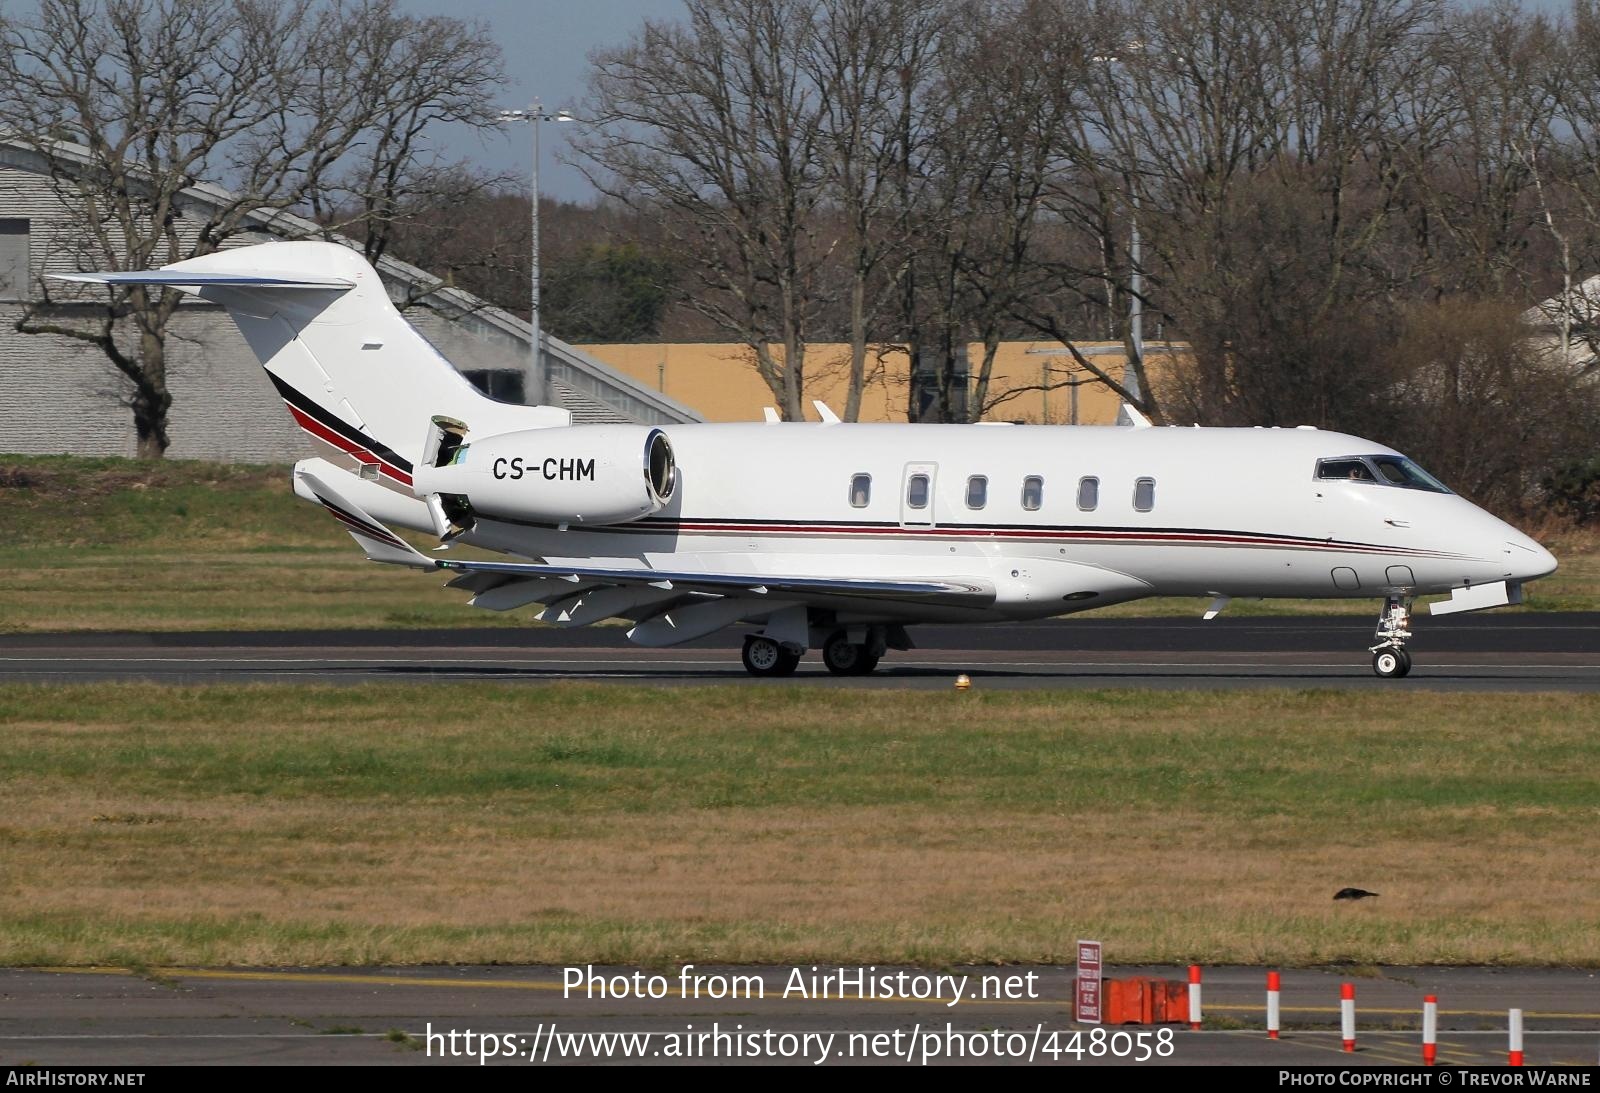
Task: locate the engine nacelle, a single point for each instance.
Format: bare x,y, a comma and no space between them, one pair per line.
578,474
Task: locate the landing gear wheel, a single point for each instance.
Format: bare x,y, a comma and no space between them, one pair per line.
1389,657
845,658
1391,663
764,657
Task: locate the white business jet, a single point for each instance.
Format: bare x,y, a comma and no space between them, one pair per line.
838,536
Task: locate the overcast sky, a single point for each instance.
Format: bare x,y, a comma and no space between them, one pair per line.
546,44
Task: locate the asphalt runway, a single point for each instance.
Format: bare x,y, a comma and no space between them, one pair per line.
112,1017
1520,652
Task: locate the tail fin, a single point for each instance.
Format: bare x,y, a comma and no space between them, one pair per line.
353,373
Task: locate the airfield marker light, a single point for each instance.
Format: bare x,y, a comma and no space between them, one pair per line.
1194,997
1430,1029
1347,1015
1272,1005
963,683
1515,1058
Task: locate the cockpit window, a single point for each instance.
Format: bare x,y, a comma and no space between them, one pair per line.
1355,470
1382,470
1400,471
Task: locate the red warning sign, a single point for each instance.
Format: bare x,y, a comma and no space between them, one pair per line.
1086,999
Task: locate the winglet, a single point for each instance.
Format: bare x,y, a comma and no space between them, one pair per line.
380,544
825,412
1127,415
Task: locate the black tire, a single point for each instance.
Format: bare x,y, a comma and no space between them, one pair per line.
1390,663
1405,663
845,658
764,657
787,664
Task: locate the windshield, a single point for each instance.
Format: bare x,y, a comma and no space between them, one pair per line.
1381,470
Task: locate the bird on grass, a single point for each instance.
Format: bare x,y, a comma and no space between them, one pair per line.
1353,893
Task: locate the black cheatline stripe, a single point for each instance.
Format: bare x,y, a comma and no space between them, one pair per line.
691,523
343,428
367,533
705,525
374,531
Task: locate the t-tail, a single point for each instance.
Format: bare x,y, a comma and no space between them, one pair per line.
358,378
392,419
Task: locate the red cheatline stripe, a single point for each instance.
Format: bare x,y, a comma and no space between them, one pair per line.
1134,536
327,435
369,530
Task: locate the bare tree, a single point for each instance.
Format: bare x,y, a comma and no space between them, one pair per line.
874,60
713,124
135,102
1494,82
1261,139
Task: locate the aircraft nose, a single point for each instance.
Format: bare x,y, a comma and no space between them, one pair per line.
1528,560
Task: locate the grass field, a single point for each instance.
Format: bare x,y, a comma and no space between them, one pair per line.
572,823
115,544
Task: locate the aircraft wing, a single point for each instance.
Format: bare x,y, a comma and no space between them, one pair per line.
973,593
504,585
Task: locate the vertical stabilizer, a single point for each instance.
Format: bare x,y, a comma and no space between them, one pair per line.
358,378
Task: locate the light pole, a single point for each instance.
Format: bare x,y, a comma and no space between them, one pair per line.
538,387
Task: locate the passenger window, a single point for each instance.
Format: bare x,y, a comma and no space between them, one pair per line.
977,491
917,492
1088,494
1032,492
860,491
1144,495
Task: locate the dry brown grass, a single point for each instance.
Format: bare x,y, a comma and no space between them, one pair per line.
288,825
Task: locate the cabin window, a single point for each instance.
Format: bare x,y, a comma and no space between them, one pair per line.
1032,493
977,491
917,492
1088,494
860,491
1144,495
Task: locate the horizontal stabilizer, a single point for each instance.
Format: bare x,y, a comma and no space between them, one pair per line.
196,279
380,544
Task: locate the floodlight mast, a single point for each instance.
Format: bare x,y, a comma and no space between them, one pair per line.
538,386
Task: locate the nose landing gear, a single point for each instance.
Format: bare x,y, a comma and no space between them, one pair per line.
1389,657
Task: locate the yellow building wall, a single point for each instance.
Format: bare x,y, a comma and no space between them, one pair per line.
719,381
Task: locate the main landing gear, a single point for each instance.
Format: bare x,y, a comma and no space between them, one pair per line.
846,658
767,656
1389,657
764,657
